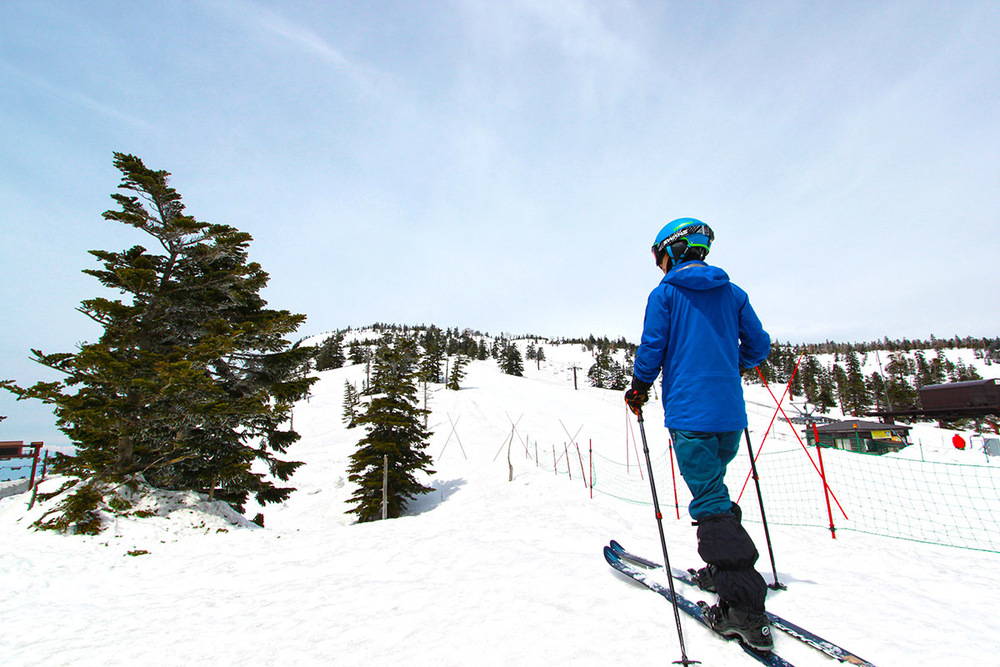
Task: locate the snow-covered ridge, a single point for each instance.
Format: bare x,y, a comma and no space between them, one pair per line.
483,571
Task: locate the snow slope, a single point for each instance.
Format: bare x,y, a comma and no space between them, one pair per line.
484,571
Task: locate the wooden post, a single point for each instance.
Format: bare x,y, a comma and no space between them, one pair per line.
590,447
510,466
583,472
385,487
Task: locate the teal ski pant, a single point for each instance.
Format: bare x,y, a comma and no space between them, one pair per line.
702,459
722,541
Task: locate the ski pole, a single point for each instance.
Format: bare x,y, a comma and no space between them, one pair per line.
663,543
777,585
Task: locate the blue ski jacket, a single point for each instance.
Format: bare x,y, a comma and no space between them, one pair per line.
700,330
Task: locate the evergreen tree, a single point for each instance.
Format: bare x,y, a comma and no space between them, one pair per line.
393,423
351,401
901,393
809,372
839,376
457,372
434,353
606,373
858,397
539,357
825,391
510,360
331,353
192,380
357,352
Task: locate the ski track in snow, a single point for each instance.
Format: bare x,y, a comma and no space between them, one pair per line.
482,572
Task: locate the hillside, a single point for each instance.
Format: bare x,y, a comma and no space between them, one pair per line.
484,571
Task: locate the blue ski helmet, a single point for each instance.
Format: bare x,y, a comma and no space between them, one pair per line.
683,239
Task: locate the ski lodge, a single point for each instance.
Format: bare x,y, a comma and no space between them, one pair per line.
861,436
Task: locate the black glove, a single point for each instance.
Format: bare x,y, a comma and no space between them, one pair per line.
637,396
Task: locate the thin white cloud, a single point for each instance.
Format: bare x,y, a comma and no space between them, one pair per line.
74,97
268,21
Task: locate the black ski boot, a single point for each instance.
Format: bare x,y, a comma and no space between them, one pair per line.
704,578
752,628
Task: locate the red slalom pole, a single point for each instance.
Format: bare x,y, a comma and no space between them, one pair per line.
773,417
826,487
806,449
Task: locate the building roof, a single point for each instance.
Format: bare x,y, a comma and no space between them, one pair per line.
858,426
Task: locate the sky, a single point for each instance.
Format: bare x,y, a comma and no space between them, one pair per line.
506,166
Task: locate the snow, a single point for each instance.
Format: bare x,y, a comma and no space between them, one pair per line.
483,571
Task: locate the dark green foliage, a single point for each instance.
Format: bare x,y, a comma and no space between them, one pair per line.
351,401
540,357
855,397
435,346
77,514
358,353
192,380
457,373
394,429
331,353
510,359
606,373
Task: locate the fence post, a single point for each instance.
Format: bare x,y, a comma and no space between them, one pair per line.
590,454
385,487
583,473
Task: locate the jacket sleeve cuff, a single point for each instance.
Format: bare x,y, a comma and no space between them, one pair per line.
640,386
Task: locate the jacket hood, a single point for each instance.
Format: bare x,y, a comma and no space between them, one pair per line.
696,275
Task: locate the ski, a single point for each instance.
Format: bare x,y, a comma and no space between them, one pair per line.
690,608
807,637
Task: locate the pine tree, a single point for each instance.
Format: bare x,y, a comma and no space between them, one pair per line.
510,360
434,353
457,372
394,429
825,391
192,380
351,401
901,393
606,373
331,353
858,397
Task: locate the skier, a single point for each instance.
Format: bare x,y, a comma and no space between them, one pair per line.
701,331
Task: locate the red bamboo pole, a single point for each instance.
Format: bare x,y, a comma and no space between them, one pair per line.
826,487
37,446
773,417
804,448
